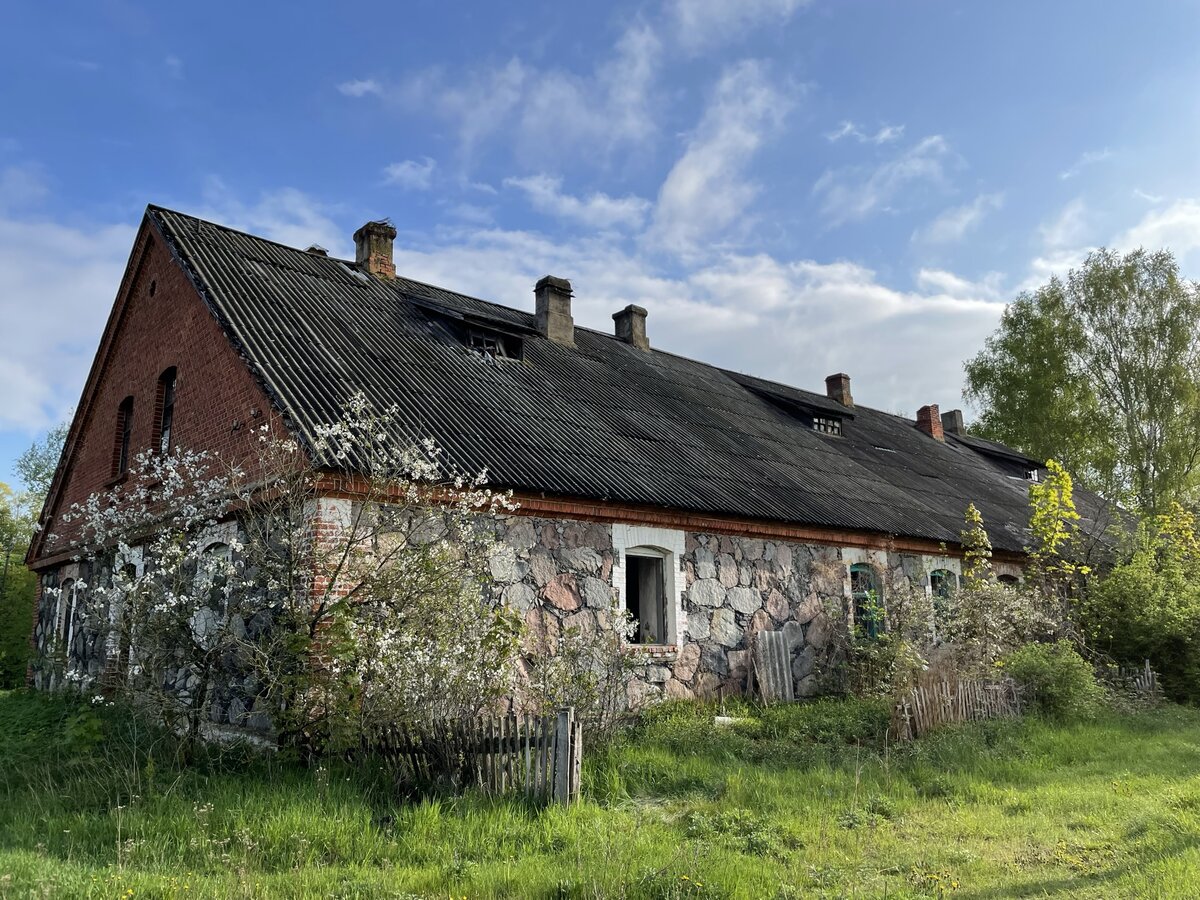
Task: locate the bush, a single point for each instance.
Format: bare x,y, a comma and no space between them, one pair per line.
1056,679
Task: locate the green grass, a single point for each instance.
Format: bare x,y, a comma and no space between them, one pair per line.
798,802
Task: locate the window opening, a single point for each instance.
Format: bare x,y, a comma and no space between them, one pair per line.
488,345
867,599
827,425
1010,580
942,584
646,596
166,416
211,580
124,434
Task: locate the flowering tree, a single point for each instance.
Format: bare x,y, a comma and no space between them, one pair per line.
333,588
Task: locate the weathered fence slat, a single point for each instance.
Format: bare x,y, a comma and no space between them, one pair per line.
928,706
539,756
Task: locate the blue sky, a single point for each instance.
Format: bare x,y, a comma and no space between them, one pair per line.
791,188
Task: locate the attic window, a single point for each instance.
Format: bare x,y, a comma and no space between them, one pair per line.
1033,475
490,345
827,424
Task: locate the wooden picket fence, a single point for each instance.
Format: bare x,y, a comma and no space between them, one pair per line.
1142,681
539,757
947,702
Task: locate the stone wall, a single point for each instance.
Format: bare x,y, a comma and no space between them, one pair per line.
564,573
559,573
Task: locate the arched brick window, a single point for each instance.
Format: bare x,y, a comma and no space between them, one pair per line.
122,438
164,411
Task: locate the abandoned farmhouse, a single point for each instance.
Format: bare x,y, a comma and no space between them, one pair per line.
711,504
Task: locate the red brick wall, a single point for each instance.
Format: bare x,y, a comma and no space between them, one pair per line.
218,403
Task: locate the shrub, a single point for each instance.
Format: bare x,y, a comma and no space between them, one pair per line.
1057,680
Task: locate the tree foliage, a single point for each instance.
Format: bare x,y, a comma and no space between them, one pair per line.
36,466
1148,606
1101,371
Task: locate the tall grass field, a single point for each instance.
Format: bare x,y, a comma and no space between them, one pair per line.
799,801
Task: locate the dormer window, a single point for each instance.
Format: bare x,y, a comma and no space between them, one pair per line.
827,424
124,433
165,402
485,344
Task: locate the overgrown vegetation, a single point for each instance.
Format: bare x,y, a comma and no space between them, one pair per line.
1148,605
1056,680
796,801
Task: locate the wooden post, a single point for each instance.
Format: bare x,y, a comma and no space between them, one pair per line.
562,755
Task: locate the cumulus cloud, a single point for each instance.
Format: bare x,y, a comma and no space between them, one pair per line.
956,223
705,191
704,23
57,283
1175,227
410,174
855,192
597,210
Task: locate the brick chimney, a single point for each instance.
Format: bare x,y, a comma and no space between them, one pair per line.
837,387
952,422
373,248
552,298
631,326
930,422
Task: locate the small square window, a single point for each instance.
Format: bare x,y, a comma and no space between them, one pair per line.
827,425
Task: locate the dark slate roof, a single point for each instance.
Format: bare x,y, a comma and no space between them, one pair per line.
601,420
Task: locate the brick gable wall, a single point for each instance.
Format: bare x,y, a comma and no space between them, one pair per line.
218,402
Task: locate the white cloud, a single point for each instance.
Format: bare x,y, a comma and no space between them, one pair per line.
847,129
1068,227
1176,227
285,215
410,174
856,192
57,283
1149,198
543,113
705,193
360,88
597,210
703,23
955,223
174,66
1088,158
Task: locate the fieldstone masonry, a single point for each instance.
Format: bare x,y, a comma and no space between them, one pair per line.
559,573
